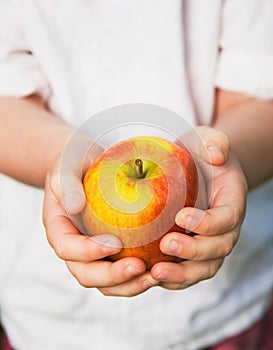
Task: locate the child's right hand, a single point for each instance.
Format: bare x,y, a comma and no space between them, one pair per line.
82,254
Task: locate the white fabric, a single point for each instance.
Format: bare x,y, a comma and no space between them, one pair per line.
247,52
88,56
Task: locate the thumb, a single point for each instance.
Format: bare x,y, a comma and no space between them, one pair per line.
68,189
211,145
65,176
73,193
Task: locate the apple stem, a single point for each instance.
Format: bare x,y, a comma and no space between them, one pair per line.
139,164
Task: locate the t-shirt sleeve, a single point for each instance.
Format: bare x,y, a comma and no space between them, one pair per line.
246,48
20,73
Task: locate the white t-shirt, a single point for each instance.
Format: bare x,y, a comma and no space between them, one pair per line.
91,55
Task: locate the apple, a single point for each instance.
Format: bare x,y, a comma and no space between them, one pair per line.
134,191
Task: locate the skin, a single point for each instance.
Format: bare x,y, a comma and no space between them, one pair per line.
239,120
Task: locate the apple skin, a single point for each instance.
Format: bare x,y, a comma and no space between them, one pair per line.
139,210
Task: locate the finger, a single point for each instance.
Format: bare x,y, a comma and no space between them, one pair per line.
198,248
213,221
131,288
227,207
73,193
218,152
67,241
185,274
100,274
213,145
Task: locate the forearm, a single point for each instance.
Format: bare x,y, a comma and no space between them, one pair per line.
249,126
31,138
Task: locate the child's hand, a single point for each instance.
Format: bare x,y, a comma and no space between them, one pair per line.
218,227
128,277
82,254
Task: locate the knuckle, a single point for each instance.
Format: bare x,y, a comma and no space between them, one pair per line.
106,292
125,293
115,275
207,223
211,274
213,269
82,282
81,278
78,271
228,245
177,286
129,294
172,286
195,251
234,220
59,251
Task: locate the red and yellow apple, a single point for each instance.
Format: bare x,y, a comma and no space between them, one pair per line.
134,191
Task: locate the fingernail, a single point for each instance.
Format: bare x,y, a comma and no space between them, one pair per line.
216,151
182,219
110,243
132,271
174,246
188,222
72,201
162,275
213,149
